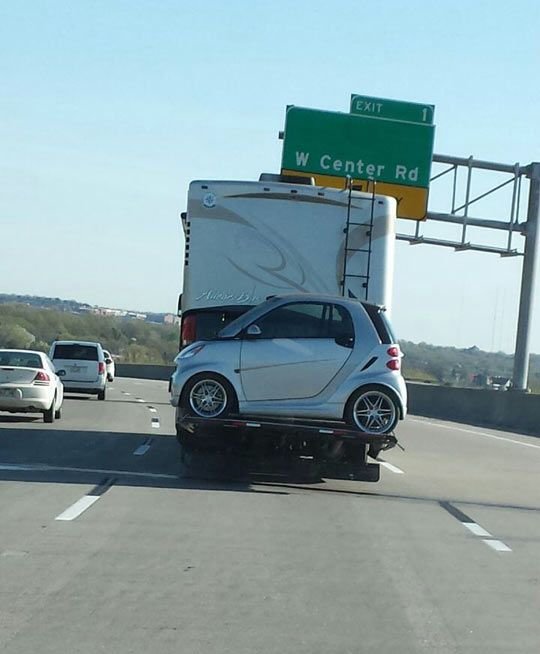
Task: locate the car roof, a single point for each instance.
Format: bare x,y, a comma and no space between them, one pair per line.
21,349
320,297
77,343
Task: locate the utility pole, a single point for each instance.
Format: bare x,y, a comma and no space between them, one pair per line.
528,277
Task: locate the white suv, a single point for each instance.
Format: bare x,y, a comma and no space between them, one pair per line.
84,363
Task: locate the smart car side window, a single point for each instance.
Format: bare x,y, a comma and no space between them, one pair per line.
298,320
341,324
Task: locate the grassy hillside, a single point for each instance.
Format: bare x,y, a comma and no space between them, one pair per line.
134,341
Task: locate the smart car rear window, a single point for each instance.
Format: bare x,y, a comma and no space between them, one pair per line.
381,323
77,352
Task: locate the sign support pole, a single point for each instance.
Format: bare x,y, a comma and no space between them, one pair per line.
528,276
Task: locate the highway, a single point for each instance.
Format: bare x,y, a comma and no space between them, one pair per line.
108,545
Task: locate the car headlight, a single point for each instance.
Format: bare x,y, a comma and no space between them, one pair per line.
190,351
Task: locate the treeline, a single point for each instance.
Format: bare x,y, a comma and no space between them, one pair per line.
136,341
460,367
133,341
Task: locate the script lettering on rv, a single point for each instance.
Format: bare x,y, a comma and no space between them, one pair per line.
243,297
358,168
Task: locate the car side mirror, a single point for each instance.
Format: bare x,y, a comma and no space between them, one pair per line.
108,361
253,331
60,373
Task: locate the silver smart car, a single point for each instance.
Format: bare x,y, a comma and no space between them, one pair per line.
302,356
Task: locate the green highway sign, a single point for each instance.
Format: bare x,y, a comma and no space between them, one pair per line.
357,146
410,112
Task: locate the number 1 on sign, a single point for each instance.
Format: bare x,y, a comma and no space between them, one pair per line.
424,114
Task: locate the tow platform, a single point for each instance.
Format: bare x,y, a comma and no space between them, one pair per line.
330,450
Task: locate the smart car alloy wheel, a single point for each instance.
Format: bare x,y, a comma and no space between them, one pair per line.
374,411
208,398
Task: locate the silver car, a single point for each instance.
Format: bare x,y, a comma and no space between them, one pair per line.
302,356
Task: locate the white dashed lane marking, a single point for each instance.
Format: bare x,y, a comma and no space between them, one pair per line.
80,506
475,528
389,466
497,545
143,448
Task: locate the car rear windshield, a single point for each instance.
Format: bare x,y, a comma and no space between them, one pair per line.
381,323
77,352
20,360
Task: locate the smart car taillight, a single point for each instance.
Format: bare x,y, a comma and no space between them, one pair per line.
42,377
393,364
189,330
393,351
101,368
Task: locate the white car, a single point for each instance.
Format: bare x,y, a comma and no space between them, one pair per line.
30,384
84,365
304,356
109,365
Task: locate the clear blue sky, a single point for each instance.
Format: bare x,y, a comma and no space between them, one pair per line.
109,108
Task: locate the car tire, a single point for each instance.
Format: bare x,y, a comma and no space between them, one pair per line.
101,395
208,395
58,414
373,410
49,414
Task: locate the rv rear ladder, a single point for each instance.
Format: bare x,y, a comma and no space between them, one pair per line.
348,250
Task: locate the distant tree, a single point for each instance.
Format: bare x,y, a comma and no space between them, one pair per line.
15,336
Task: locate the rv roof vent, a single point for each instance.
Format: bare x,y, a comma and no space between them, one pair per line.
287,179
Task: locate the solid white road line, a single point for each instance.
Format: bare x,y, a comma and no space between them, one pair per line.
476,529
45,468
391,467
79,507
21,466
477,433
497,545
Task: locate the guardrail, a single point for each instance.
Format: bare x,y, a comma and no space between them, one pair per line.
144,371
512,411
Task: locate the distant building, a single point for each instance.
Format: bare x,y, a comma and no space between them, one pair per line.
103,311
171,319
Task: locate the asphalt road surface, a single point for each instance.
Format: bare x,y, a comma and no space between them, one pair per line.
107,546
